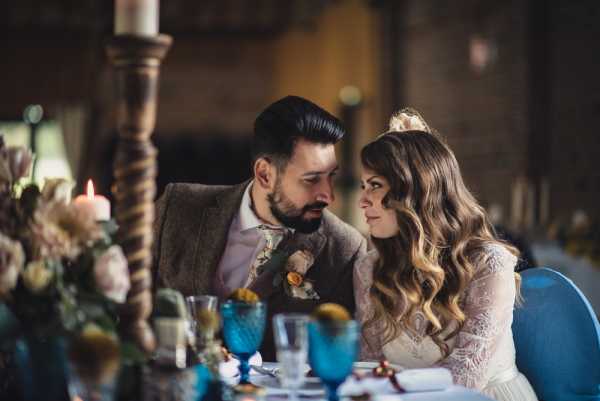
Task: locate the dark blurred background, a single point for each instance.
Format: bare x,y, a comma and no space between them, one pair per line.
512,85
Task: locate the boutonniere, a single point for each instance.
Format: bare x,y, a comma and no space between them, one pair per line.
290,271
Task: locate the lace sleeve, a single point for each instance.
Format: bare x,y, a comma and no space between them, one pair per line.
363,279
488,306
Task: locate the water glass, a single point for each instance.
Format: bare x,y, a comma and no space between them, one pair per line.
333,348
243,329
197,305
291,341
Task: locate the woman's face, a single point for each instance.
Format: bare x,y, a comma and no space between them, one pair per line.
382,222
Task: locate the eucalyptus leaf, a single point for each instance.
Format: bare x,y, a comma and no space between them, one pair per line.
276,262
286,289
277,279
131,354
110,227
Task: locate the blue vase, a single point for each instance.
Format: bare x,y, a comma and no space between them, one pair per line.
42,367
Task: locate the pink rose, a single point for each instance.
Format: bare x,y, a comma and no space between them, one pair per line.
20,160
112,275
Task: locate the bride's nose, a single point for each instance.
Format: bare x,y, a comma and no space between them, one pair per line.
364,201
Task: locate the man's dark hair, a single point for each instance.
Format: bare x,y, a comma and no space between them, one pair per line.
280,125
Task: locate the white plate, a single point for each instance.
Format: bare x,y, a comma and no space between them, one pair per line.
370,365
305,369
312,386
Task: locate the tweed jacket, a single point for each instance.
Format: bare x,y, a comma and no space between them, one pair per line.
190,234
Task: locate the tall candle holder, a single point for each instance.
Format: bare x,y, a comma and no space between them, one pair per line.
136,60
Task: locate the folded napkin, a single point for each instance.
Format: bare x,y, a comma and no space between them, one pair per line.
429,379
230,368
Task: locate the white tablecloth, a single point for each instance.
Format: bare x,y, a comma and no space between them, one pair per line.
454,393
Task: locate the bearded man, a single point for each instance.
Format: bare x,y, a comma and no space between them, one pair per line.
271,234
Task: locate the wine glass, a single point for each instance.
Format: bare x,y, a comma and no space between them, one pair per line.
291,341
333,348
243,329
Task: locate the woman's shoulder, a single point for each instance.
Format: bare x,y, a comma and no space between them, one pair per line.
494,258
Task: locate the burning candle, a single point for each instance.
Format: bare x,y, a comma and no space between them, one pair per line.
96,205
136,17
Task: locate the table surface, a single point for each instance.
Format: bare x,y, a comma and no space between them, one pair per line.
454,393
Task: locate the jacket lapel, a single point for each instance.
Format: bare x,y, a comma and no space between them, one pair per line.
212,236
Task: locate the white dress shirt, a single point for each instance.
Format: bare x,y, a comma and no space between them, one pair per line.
244,241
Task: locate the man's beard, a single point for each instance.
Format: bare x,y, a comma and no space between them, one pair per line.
290,216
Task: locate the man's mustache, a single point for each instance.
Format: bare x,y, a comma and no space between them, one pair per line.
315,206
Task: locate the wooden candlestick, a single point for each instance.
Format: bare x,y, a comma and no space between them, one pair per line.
136,60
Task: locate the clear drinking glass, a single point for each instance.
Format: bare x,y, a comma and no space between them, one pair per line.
291,341
197,306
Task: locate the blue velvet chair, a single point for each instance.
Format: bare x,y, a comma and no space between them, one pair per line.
557,338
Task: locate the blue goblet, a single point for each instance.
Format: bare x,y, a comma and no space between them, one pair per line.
332,349
243,329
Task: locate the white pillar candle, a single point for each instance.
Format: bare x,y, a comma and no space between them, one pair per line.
136,17
95,205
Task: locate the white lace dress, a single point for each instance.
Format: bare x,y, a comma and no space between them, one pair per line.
482,354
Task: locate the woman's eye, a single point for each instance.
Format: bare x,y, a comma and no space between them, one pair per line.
375,185
311,180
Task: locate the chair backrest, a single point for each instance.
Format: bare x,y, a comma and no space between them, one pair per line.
557,338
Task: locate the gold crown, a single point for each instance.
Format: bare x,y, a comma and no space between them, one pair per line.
407,119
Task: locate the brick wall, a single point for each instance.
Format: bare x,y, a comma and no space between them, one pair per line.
531,112
575,107
483,114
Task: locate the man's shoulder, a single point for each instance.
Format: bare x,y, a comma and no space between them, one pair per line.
340,232
182,193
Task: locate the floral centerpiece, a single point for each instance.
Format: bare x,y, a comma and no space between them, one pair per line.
61,273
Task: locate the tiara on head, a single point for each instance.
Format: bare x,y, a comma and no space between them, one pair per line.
407,119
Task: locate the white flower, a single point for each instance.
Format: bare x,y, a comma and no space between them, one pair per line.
300,262
304,291
36,276
112,275
57,190
12,259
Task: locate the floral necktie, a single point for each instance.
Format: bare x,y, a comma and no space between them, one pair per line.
273,237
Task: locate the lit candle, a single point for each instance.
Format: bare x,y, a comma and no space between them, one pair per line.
95,205
136,17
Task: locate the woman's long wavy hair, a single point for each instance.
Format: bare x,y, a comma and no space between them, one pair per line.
442,232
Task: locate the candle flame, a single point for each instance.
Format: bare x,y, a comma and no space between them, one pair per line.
90,189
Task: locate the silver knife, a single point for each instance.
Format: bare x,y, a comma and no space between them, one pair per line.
262,370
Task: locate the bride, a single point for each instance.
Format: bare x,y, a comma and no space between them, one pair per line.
439,288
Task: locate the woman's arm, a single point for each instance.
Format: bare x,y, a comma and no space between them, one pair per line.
488,307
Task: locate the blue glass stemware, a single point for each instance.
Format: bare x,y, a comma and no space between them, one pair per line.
333,348
243,329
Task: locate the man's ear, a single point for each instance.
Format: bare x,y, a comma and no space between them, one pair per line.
265,173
